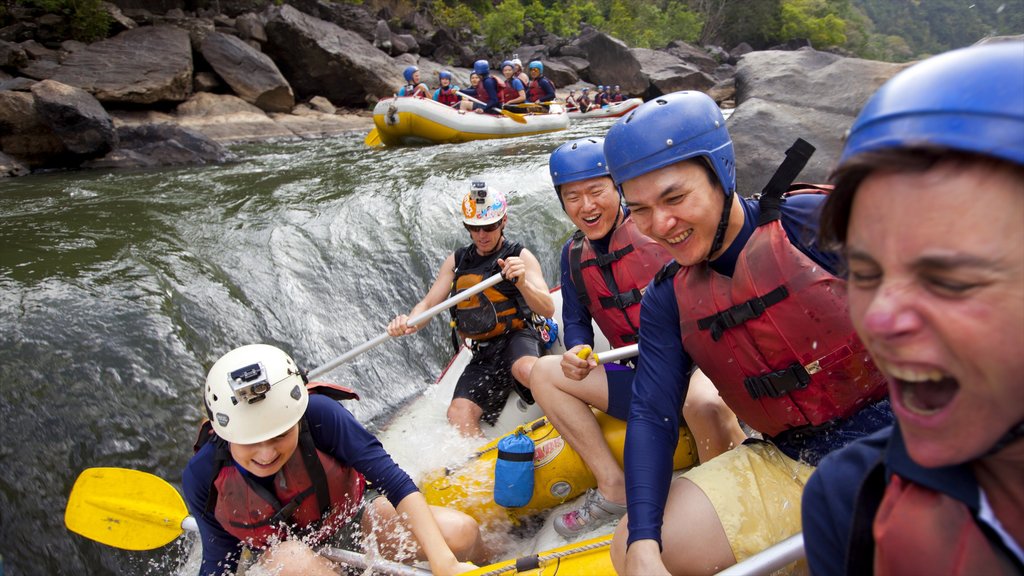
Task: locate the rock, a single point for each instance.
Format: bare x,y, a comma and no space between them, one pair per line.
12,55
251,74
560,73
139,66
724,91
162,145
449,49
118,21
344,15
736,53
76,117
319,58
781,96
322,104
404,44
382,36
611,62
206,82
11,167
693,55
668,73
250,27
18,83
25,135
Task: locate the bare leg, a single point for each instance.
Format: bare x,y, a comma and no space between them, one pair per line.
465,415
565,403
522,368
395,540
713,425
693,539
294,557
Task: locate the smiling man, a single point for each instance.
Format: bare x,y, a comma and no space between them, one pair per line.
755,302
497,322
280,471
606,266
940,306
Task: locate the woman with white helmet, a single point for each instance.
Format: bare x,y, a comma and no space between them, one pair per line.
519,72
498,322
281,471
929,207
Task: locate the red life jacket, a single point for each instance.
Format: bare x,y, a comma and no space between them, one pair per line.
610,285
536,92
448,97
314,494
918,530
776,337
508,93
481,89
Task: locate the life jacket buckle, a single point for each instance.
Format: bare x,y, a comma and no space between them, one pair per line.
778,383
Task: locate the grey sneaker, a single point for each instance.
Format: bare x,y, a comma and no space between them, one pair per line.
594,511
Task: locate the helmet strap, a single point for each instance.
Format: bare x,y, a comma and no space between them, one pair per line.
723,225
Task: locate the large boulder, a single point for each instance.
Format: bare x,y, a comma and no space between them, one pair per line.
140,66
250,27
161,145
252,75
806,94
668,73
694,55
24,133
320,58
611,62
346,15
560,73
76,117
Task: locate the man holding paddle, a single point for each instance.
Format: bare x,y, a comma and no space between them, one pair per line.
281,470
499,321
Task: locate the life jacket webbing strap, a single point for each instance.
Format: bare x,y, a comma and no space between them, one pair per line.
740,313
860,551
576,269
622,300
314,468
775,384
605,260
771,195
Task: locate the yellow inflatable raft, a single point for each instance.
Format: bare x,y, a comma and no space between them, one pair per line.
423,121
559,473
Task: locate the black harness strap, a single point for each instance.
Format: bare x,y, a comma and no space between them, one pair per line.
740,313
775,384
771,196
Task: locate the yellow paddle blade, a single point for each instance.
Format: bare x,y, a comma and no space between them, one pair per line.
125,509
373,138
517,117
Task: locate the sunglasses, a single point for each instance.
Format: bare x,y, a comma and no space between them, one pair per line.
488,228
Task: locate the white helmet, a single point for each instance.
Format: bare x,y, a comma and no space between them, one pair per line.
255,393
483,205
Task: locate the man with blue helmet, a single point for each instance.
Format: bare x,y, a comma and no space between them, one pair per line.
540,89
413,86
939,302
754,301
606,266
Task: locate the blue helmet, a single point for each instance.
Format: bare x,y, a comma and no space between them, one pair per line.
444,74
481,67
409,71
507,63
667,130
536,64
577,160
600,87
983,114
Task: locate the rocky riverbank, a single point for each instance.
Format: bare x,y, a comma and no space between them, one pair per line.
175,88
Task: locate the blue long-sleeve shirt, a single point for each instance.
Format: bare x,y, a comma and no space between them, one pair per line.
547,90
662,376
335,432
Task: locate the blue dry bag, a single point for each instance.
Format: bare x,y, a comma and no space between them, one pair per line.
513,470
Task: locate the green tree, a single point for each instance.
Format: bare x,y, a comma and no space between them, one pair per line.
814,20
503,28
87,21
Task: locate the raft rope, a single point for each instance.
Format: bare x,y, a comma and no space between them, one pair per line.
534,561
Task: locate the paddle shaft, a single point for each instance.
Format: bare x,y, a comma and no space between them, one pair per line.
507,113
770,559
617,354
425,315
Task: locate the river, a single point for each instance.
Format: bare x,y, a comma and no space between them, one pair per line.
119,289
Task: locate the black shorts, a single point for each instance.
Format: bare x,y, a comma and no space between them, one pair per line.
487,379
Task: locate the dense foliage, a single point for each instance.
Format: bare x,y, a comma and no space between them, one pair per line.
85,20
894,30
